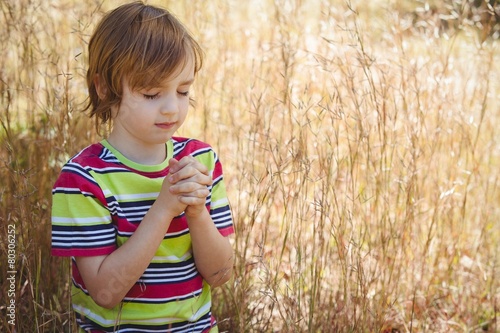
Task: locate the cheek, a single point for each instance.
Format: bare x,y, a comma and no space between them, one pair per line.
184,109
131,103
185,104
128,109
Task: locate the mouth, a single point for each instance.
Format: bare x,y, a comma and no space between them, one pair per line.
168,125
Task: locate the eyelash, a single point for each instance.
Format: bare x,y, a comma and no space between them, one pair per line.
155,96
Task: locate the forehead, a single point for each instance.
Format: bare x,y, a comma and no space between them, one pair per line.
182,74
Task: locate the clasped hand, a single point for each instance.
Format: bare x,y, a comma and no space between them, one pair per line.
186,184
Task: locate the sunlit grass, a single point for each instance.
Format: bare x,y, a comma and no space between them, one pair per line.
361,156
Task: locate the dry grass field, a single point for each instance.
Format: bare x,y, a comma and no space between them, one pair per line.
361,147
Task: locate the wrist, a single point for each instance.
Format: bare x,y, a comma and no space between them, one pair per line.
195,212
162,212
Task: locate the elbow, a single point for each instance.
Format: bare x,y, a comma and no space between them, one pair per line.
107,305
105,299
220,277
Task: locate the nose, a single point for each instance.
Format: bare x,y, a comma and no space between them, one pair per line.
170,104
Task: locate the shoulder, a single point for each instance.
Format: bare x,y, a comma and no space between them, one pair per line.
200,150
77,172
91,156
188,146
83,163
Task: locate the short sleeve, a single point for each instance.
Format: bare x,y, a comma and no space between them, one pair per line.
217,202
220,209
81,221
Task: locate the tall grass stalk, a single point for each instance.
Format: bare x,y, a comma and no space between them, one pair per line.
360,149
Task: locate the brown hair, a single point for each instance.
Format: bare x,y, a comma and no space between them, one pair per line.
140,43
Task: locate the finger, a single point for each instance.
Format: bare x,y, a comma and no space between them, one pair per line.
192,201
173,165
189,161
190,173
193,175
179,164
187,188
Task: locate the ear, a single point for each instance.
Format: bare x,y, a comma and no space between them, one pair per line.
100,87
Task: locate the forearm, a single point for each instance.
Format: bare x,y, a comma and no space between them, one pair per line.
109,280
213,253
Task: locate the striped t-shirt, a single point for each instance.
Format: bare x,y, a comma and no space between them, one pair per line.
99,200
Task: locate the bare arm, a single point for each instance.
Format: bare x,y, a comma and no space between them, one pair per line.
108,278
213,253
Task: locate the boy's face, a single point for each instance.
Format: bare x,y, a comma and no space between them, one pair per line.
148,118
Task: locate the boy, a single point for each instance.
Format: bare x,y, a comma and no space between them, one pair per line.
143,214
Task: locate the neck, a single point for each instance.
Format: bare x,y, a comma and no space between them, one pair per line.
146,155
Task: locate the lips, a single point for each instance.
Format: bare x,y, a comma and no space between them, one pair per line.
167,125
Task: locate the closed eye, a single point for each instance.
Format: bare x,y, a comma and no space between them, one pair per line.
147,96
183,93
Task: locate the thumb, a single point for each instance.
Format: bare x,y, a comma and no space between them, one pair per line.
172,164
